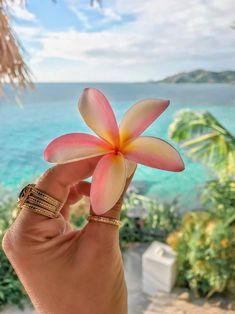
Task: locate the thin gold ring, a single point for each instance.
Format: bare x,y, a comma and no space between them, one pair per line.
106,220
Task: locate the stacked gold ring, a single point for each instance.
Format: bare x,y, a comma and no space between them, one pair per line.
38,201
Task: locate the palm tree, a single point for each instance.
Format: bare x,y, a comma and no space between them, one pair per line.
205,139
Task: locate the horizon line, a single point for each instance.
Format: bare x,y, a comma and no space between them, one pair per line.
91,82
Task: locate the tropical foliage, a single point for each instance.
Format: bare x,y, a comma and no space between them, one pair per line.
219,197
11,290
205,242
156,222
13,69
206,140
205,246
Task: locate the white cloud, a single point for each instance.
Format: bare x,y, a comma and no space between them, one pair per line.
82,10
110,14
27,32
91,47
105,8
162,37
110,11
81,16
18,9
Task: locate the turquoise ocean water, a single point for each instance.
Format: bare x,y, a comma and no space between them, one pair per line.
51,110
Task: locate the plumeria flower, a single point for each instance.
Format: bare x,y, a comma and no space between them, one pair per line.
121,148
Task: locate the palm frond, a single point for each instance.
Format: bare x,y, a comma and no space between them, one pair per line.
199,139
92,2
205,139
13,69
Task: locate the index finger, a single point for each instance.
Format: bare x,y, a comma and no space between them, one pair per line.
57,180
56,183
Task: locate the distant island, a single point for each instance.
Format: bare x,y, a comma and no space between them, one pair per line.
200,76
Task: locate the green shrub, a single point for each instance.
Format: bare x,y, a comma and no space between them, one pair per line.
219,197
205,246
159,221
79,213
162,217
11,290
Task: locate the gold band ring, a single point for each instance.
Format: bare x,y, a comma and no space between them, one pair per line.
106,220
38,201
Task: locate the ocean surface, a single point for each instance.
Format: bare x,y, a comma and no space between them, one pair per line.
51,110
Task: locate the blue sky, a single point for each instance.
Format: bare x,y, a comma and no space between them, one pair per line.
125,40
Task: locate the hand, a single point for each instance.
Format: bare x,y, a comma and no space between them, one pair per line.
68,271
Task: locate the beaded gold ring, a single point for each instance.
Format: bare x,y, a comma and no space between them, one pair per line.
106,220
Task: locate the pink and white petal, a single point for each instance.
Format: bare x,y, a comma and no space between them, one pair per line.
140,116
108,183
75,146
153,152
98,115
130,167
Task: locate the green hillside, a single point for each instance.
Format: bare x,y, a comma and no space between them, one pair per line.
201,76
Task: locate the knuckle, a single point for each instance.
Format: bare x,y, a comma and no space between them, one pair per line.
5,242
52,177
14,249
14,242
48,175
